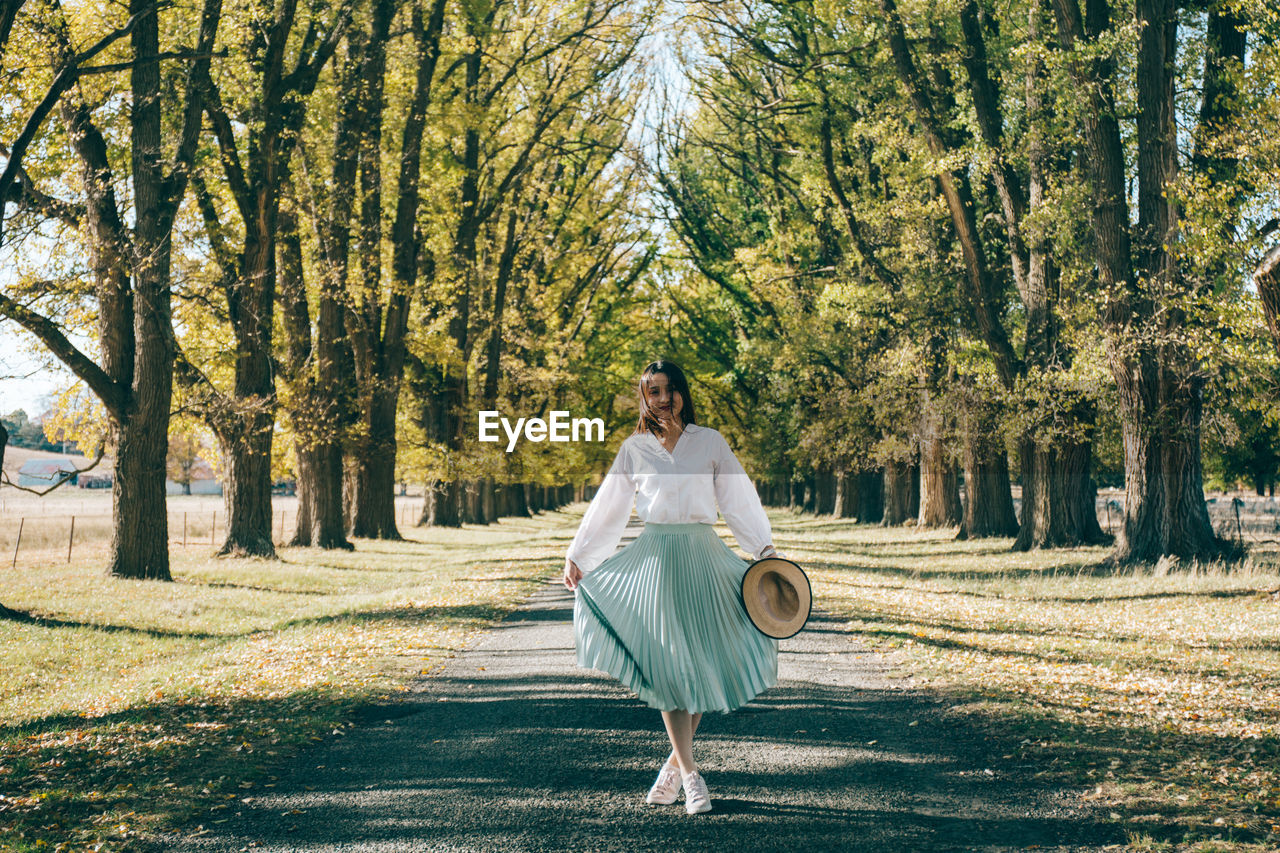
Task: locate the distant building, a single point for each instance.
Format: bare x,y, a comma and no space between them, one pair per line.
43,473
203,481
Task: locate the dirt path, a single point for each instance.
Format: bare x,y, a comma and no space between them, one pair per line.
512,747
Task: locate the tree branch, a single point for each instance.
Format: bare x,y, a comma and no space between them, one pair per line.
111,394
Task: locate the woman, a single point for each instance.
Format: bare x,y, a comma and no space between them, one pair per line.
664,615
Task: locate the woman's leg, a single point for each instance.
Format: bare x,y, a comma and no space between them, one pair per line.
680,728
693,725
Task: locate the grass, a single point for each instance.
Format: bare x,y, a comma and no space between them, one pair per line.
128,708
1158,692
131,707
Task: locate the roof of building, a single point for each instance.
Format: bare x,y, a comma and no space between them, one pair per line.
48,468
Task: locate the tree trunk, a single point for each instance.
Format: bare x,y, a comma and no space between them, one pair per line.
518,505
1059,500
328,529
870,506
140,538
810,500
305,475
1188,532
488,501
988,507
248,488
317,411
846,495
826,484
1267,279
1157,378
501,500
140,532
901,495
939,483
373,503
441,508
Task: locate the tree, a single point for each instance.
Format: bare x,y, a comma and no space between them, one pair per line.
566,63
1144,286
129,265
256,167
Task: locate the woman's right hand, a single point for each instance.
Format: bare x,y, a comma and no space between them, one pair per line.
572,574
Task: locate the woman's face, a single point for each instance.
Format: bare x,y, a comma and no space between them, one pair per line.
664,401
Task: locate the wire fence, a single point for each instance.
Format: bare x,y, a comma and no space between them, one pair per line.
32,533
35,535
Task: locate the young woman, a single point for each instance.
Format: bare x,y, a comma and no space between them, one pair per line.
664,615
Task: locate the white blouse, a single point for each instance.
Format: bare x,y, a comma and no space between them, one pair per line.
679,487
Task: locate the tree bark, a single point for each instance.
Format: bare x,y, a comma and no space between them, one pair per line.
305,475
1159,383
257,178
901,493
316,410
246,452
988,505
381,352
939,482
140,535
1059,499
1267,279
846,497
825,484
939,487
870,506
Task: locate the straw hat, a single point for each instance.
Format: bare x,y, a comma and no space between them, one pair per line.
777,596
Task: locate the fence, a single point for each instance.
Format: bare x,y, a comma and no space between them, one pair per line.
31,536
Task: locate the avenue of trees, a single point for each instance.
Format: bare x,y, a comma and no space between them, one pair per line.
912,253
278,217
968,236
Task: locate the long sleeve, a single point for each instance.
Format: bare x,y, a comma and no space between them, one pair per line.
601,528
740,503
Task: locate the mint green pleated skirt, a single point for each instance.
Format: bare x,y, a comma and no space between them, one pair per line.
664,616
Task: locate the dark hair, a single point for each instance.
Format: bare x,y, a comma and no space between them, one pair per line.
675,378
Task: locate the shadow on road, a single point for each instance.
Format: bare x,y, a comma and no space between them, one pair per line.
512,747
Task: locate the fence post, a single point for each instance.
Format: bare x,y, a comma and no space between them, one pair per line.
21,523
71,538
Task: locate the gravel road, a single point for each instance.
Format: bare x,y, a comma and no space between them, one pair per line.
512,747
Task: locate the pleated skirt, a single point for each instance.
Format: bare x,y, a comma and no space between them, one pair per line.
664,616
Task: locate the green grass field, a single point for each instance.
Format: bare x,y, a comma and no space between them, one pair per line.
1160,693
130,707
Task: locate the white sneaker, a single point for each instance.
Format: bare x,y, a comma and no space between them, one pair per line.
696,798
667,787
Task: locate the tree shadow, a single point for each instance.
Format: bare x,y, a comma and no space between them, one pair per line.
437,613
533,753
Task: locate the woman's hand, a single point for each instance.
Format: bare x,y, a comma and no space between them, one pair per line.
572,574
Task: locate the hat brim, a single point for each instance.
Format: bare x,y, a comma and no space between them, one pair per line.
777,597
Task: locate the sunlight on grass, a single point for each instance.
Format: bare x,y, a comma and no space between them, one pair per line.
130,706
133,707
1158,690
